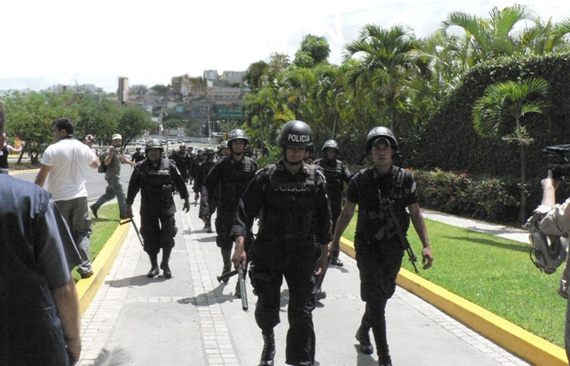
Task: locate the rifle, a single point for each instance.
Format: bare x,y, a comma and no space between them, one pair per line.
239,271
387,206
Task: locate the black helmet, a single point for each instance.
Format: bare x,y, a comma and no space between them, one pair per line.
549,251
237,134
330,144
209,152
295,133
154,144
381,132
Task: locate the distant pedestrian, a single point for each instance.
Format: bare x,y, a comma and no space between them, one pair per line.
205,213
39,310
64,165
113,158
138,156
5,148
156,178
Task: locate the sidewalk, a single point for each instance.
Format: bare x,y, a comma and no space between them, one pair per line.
191,319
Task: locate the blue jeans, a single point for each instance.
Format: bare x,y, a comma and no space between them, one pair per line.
114,189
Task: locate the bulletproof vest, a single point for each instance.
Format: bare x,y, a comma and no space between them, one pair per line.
156,184
372,188
333,175
234,181
289,205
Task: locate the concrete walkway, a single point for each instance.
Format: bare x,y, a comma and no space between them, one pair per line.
191,319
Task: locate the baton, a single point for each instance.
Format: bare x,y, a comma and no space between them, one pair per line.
136,229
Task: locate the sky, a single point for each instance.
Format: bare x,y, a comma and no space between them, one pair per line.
94,42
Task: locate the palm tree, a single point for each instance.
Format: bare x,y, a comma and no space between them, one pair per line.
511,100
493,37
387,56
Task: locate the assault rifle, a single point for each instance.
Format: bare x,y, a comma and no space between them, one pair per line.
387,206
239,271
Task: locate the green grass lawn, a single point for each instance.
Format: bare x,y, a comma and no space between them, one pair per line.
492,272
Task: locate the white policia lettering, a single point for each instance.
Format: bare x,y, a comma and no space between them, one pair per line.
285,188
299,138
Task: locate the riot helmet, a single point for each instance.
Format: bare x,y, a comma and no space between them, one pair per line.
549,251
237,134
295,133
209,152
154,144
381,132
223,144
330,144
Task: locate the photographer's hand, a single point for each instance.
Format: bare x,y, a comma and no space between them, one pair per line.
549,186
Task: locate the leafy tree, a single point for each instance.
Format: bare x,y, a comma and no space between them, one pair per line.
134,120
254,75
493,37
160,89
388,57
507,101
313,51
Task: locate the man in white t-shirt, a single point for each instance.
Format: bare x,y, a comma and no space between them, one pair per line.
64,164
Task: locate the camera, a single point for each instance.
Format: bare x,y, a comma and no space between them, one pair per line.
559,162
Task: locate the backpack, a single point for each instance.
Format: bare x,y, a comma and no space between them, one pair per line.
102,167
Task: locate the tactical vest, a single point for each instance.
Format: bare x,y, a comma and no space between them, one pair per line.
234,181
156,184
372,188
289,205
333,175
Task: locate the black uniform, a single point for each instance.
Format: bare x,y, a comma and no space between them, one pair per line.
156,183
202,172
336,174
378,252
292,210
138,156
183,162
227,181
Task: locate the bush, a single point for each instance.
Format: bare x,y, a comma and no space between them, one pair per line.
492,199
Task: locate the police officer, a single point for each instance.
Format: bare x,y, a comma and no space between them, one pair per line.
290,199
336,173
155,177
183,161
231,174
378,252
224,149
202,172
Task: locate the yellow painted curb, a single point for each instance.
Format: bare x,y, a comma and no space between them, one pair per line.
87,288
508,335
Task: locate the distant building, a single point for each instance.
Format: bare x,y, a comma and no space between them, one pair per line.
233,77
216,94
211,75
123,91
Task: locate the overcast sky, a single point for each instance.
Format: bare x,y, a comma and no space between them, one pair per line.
94,42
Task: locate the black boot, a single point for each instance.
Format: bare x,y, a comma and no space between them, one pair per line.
164,265
268,353
363,337
154,266
384,358
226,257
